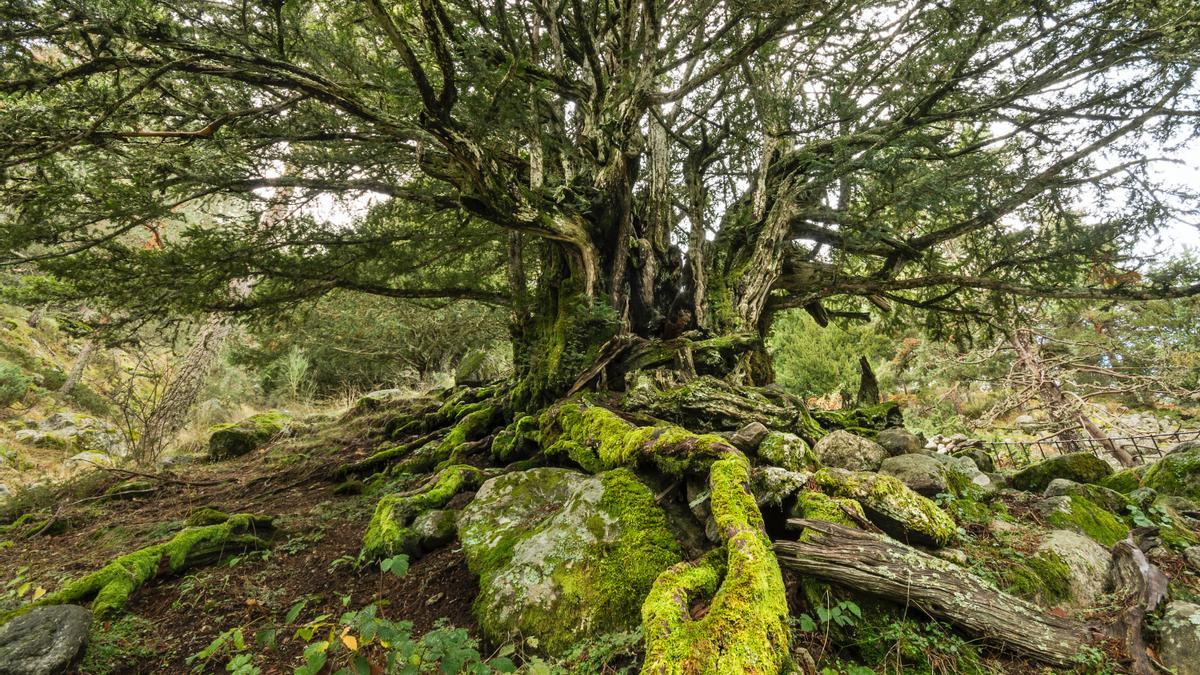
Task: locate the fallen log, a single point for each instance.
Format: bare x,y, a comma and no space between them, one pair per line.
1143,586
879,566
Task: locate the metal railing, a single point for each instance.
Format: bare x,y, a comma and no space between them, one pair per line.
1144,448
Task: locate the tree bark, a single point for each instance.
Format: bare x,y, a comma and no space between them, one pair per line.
873,564
1052,396
868,386
77,368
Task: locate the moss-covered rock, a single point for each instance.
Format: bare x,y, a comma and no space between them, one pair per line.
1176,474
1110,500
1081,515
844,450
227,441
1081,467
892,506
1043,578
1085,563
787,451
392,528
1125,480
563,555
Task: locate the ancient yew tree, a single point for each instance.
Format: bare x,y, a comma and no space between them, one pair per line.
643,183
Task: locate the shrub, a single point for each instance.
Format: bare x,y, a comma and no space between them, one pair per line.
13,384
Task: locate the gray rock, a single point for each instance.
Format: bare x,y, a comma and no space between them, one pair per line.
773,485
1143,497
379,398
899,441
748,437
1192,556
5,491
787,451
1184,446
1087,561
921,473
843,450
980,458
1026,421
1081,467
966,468
44,641
1179,644
1110,500
563,555
436,528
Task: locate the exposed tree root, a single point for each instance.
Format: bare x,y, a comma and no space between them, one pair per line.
111,585
389,531
875,565
745,629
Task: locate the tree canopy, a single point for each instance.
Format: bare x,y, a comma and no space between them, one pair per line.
693,165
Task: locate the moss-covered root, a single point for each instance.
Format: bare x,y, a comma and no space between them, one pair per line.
745,629
389,531
111,585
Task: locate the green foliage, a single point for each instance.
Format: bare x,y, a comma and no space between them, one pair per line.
113,645
348,341
814,361
13,384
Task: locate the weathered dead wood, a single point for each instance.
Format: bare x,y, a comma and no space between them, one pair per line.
879,566
1143,586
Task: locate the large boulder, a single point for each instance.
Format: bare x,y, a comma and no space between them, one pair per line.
787,451
899,441
1081,467
1079,514
843,450
1086,561
1179,642
1176,474
1110,500
891,505
234,440
74,433
562,555
43,641
921,473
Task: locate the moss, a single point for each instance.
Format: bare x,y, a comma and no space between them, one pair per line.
111,586
476,421
227,441
866,421
1088,519
819,506
745,629
892,505
788,451
1124,481
349,487
519,440
130,488
206,516
597,438
1176,474
1044,577
389,531
1081,467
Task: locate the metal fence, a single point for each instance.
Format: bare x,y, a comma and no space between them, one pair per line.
1144,448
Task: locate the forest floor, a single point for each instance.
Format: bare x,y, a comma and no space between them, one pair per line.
311,561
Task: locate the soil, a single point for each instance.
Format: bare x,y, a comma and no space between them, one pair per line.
311,560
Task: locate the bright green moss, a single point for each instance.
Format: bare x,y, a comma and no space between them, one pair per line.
745,629
1086,518
206,516
389,533
1124,481
227,441
111,586
1081,467
1044,577
891,505
1176,474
